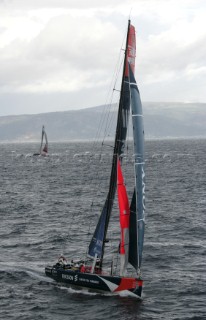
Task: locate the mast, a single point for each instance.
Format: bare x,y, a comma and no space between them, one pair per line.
118,148
97,244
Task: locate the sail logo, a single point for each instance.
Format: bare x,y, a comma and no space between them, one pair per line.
67,276
131,55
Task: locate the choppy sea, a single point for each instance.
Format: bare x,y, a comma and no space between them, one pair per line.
49,206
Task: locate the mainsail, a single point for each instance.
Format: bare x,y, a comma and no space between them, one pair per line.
137,208
124,219
45,149
96,247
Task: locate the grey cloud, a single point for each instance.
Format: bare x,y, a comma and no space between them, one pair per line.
84,51
56,51
64,40
71,4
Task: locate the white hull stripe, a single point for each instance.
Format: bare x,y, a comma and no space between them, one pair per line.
110,285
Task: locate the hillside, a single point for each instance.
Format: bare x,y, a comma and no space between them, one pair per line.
162,120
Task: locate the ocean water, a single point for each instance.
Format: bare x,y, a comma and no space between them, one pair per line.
49,206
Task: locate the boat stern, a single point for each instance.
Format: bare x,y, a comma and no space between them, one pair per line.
138,290
132,285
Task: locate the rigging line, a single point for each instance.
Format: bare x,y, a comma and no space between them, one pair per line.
113,80
101,149
113,111
108,124
94,147
119,67
86,247
115,84
110,117
100,126
103,117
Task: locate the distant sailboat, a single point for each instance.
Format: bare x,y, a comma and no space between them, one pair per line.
43,151
88,272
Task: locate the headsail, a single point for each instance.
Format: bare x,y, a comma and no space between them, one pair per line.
138,201
98,240
124,219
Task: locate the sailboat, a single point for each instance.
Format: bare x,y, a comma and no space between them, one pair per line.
89,273
43,151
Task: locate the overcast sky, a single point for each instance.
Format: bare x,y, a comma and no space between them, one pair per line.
60,55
